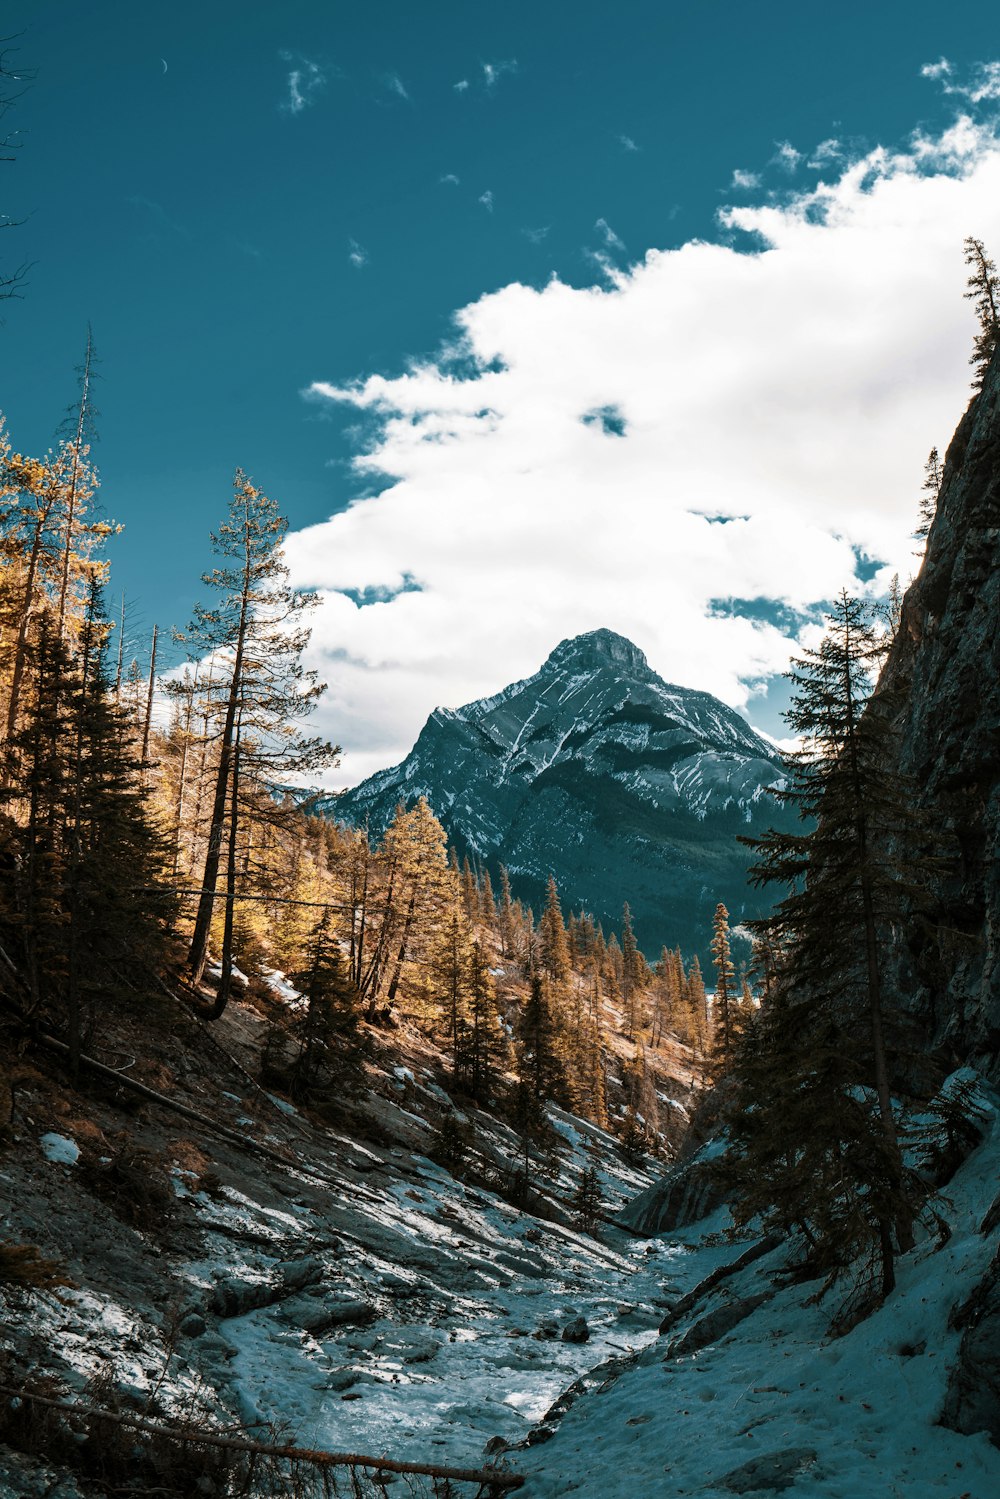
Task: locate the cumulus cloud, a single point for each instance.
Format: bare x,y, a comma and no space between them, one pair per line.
744,179
357,254
627,143
539,235
566,461
486,199
305,80
449,179
461,86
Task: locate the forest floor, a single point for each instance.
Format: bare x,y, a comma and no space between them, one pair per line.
341,1288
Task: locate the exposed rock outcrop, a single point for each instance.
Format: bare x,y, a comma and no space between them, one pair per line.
945,670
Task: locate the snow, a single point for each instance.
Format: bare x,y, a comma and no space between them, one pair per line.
60,1149
866,1405
446,1311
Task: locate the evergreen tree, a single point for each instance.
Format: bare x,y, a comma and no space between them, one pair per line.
631,976
505,915
929,491
540,1066
984,294
724,1009
86,909
553,947
849,877
587,1201
329,1030
255,636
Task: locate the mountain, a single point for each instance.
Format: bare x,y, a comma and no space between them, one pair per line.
623,786
943,964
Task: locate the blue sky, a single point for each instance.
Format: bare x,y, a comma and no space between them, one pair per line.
251,202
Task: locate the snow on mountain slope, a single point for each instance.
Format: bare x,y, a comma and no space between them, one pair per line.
771,1403
625,787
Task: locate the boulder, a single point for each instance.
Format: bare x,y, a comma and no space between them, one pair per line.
770,1474
972,1401
576,1331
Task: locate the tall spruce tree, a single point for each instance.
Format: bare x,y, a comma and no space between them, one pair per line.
724,1007
822,1031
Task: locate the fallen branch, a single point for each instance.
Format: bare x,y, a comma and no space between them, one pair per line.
222,1131
497,1478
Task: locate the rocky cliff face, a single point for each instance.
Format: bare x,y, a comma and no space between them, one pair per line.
945,666
625,787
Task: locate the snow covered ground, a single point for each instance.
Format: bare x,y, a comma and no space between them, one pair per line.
777,1404
361,1298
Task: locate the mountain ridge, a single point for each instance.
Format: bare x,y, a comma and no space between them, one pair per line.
596,770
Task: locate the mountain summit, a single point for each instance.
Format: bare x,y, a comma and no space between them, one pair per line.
625,787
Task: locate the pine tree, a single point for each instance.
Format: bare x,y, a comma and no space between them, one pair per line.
849,877
929,491
540,1066
87,910
505,915
255,636
984,294
328,1032
724,1008
587,1201
631,976
553,947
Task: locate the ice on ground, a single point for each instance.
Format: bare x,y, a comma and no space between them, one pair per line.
60,1149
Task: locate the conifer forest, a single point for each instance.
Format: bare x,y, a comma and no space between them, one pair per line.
605,1098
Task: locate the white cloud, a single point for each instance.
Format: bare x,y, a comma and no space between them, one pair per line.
494,71
794,389
981,86
396,86
461,86
827,153
304,81
745,180
786,156
449,179
609,236
486,199
358,255
627,143
536,236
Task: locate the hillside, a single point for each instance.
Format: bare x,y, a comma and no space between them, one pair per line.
624,787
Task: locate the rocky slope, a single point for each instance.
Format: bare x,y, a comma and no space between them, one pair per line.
945,668
625,787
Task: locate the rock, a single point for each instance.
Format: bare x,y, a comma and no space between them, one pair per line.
295,1274
193,1325
715,1324
350,1313
972,1400
941,964
576,1331
686,1195
770,1474
233,1297
563,768
27,1478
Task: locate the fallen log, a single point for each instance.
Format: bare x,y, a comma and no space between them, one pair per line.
498,1479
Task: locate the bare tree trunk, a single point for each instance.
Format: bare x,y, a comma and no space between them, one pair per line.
149,698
